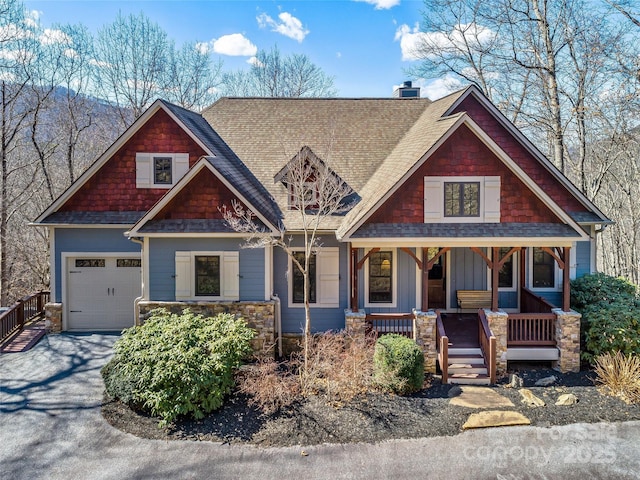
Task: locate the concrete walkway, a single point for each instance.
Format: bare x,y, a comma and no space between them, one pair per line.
51,428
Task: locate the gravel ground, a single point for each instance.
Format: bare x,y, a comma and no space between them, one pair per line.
376,417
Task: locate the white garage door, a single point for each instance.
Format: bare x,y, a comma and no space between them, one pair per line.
101,292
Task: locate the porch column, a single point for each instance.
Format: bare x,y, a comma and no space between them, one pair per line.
568,339
424,334
495,277
498,323
53,317
566,281
354,279
355,323
425,280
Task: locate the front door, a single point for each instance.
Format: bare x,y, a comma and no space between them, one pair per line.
438,282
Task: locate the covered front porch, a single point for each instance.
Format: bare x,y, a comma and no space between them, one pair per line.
472,308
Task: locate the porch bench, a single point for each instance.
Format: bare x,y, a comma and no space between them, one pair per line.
473,299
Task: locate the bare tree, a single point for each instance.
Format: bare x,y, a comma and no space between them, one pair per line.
316,194
272,75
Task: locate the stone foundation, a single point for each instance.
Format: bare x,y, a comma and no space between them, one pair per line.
53,317
568,340
424,334
355,323
498,324
259,316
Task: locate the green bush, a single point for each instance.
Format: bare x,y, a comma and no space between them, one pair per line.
398,364
610,314
177,364
608,328
589,290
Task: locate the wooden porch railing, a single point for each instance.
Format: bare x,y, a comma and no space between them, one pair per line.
532,303
487,345
442,344
531,330
381,323
24,310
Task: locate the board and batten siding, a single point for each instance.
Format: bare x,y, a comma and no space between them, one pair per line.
162,251
583,259
87,240
467,270
322,319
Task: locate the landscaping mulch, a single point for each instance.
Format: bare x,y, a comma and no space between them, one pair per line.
376,416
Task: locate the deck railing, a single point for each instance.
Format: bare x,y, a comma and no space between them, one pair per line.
487,345
381,323
24,310
531,330
442,345
532,303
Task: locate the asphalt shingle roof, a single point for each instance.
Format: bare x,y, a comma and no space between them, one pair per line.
94,218
464,230
185,226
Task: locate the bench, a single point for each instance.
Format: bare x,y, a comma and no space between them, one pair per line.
473,299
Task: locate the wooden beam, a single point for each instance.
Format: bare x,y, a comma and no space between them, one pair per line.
412,255
354,279
435,258
502,261
523,265
487,260
425,279
367,255
566,283
555,256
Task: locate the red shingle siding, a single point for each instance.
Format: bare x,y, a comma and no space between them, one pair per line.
520,155
464,154
201,198
113,187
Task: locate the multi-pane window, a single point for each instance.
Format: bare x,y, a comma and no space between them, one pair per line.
380,277
207,270
462,199
298,279
544,269
162,171
505,276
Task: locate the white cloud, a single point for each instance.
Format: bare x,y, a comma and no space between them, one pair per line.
12,31
236,45
50,37
203,47
22,56
438,87
289,25
464,36
381,4
71,53
32,18
254,61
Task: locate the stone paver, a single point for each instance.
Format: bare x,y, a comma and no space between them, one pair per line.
495,418
480,397
530,399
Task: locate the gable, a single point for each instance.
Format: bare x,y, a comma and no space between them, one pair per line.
203,198
463,154
525,160
113,186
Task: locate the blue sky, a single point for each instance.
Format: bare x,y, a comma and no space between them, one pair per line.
363,44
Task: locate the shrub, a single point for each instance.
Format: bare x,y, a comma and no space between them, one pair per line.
597,288
619,374
398,364
611,327
177,364
269,384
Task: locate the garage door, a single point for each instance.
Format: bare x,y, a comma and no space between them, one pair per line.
101,292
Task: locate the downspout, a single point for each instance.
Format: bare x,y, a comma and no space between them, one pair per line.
136,310
278,320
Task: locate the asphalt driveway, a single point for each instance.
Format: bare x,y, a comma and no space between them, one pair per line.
51,427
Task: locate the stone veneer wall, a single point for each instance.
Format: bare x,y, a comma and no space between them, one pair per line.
53,317
424,334
259,315
568,339
498,324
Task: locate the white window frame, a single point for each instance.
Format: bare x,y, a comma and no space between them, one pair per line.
229,275
145,169
308,187
516,267
394,281
327,278
557,275
489,194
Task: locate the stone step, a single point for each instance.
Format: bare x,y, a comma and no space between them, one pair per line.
455,368
469,379
464,351
470,358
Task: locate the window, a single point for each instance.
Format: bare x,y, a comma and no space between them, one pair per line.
324,279
90,263
544,269
207,275
128,263
308,196
507,274
298,279
380,279
462,199
160,170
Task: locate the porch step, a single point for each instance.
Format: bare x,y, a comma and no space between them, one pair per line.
466,366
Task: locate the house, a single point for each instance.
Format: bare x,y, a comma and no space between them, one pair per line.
462,230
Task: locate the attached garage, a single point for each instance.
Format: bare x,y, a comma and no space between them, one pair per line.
100,291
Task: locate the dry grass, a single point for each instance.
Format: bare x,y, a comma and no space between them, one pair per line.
619,375
339,368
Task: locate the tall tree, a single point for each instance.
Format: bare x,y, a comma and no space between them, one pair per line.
274,75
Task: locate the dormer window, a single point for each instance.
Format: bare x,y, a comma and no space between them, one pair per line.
160,170
305,195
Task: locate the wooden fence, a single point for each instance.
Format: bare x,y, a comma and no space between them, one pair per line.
24,310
